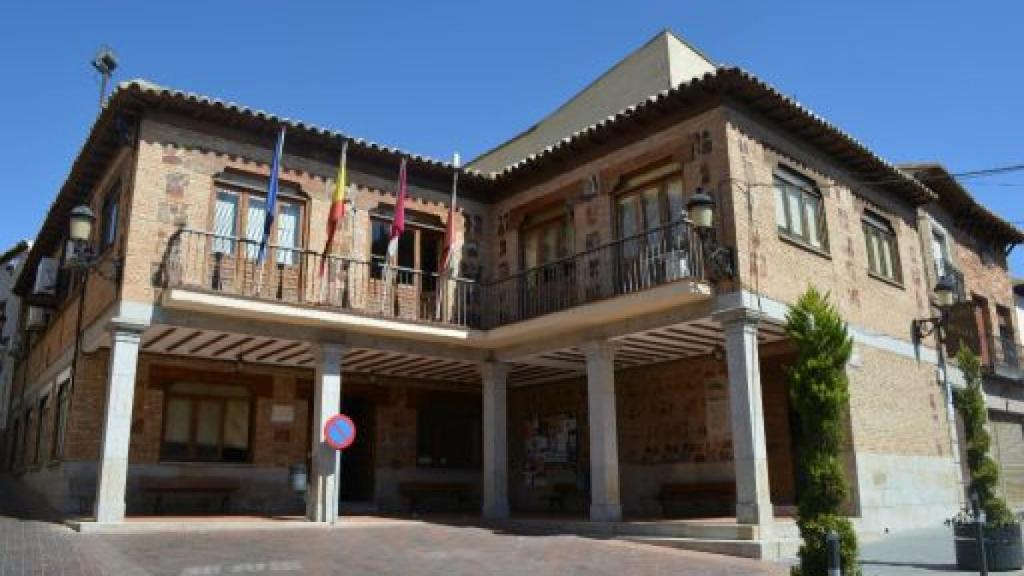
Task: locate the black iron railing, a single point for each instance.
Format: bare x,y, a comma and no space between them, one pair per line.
1004,355
956,278
205,261
633,264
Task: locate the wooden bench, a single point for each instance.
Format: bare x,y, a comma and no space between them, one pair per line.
417,491
161,486
698,499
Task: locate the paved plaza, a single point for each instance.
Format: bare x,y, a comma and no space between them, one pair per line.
33,541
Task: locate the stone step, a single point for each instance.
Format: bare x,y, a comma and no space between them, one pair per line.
771,550
654,528
689,529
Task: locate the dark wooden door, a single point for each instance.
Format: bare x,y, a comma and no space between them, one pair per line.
357,462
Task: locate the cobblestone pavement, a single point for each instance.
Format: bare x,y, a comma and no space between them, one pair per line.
33,542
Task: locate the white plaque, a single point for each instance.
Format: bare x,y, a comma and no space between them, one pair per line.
282,414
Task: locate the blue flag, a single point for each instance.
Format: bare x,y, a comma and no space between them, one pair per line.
268,219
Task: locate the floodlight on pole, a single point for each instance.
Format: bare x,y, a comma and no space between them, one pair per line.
105,63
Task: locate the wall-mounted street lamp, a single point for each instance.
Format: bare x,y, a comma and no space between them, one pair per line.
718,261
80,258
944,298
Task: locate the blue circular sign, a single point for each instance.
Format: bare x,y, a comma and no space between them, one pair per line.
339,432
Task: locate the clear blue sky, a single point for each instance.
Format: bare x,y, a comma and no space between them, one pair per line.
913,79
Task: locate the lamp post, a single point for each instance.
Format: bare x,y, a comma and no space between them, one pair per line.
700,210
924,327
80,259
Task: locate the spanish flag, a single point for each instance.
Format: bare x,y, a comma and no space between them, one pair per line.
337,203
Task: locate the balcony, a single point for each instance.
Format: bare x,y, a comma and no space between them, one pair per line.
1004,357
203,261
944,270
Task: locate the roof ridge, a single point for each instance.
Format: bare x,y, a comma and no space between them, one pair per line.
149,86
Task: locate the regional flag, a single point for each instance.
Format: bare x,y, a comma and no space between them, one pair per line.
337,203
398,224
271,208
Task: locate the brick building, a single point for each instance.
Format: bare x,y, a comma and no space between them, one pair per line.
595,355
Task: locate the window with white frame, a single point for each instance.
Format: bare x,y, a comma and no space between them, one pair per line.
882,248
940,253
225,221
238,210
799,210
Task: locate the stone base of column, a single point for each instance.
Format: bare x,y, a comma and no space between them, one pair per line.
754,514
113,476
495,511
605,512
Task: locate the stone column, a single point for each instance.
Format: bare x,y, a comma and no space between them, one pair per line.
117,420
495,387
750,454
322,498
604,444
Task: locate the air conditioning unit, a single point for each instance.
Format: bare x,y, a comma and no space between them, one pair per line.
46,277
37,318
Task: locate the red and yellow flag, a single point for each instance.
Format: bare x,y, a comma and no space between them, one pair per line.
337,203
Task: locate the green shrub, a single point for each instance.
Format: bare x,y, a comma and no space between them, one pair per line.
970,403
820,395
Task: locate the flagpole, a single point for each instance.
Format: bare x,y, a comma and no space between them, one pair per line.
270,208
444,279
397,228
336,213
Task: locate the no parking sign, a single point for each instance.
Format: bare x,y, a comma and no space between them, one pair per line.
339,432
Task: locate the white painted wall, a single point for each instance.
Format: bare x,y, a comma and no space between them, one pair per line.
1018,298
9,272
662,63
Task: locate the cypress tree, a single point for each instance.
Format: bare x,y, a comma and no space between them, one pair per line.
819,391
970,402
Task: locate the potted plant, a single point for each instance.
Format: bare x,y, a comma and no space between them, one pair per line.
1001,528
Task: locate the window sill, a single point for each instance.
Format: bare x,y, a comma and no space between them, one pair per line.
804,246
888,281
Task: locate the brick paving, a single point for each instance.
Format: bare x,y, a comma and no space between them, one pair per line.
33,542
414,548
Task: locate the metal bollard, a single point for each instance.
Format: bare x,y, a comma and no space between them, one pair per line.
979,522
832,549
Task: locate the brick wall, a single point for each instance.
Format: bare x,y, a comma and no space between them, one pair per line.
592,213
673,427
179,159
767,260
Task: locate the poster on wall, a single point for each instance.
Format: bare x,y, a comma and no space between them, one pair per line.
716,405
550,439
